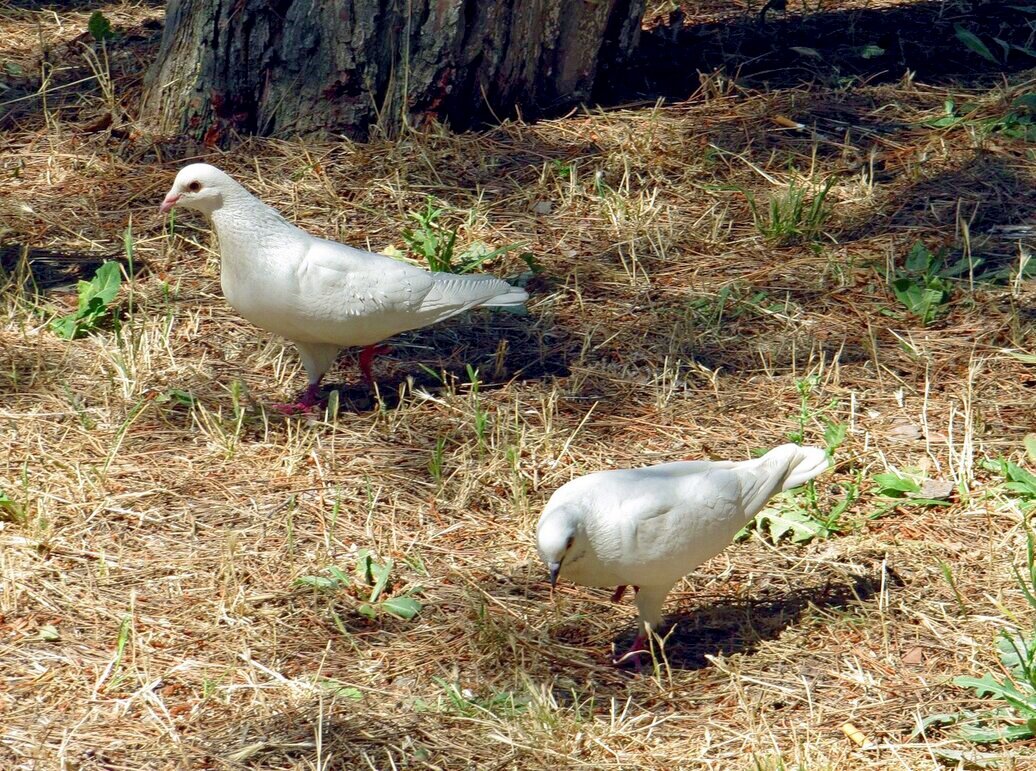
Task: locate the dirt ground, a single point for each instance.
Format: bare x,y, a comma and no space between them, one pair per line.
167,598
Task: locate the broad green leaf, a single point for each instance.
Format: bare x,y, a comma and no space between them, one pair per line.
799,526
366,610
973,42
317,582
895,486
870,51
339,575
1030,446
919,258
402,607
1021,480
1005,690
380,572
103,287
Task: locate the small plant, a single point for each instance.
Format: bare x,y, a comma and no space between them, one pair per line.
95,299
10,510
437,245
503,704
480,418
922,285
1020,483
977,45
371,580
1014,687
907,490
435,463
100,30
1017,122
805,387
799,523
563,169
791,216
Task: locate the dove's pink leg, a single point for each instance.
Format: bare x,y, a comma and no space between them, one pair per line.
367,357
621,590
310,398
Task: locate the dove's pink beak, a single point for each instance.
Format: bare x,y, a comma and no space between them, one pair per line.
168,202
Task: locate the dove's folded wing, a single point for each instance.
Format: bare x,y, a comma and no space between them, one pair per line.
351,282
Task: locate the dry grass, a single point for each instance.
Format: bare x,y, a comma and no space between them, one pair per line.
663,326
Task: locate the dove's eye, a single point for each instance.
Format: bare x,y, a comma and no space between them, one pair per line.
568,544
194,187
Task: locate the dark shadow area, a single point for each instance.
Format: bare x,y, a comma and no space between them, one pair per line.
739,626
84,6
503,348
836,46
350,733
54,269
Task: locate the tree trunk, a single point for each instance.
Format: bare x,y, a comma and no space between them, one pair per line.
300,66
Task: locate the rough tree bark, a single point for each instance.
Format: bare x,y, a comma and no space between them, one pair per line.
299,66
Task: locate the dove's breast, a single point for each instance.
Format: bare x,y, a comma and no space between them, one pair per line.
258,275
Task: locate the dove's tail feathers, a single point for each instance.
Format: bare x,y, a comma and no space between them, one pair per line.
514,297
782,468
452,293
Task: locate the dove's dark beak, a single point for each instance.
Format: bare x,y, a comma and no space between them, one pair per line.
169,202
554,568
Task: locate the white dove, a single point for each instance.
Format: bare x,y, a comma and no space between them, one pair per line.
321,295
649,527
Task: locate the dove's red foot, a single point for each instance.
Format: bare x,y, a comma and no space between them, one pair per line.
635,652
310,398
367,357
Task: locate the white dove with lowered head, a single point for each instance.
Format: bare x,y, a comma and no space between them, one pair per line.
321,295
649,527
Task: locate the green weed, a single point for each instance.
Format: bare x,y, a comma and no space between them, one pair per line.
95,303
793,215
1017,122
436,244
1014,688
435,462
10,510
977,45
1019,482
369,583
922,285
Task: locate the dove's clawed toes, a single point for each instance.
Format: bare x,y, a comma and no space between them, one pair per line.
309,400
635,654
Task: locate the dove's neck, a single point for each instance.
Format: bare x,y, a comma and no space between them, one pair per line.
247,227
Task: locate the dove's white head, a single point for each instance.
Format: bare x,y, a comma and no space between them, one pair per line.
202,187
560,536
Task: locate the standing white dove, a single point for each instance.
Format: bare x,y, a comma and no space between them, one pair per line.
321,295
649,527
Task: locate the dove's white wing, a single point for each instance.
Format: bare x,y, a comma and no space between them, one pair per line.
652,525
352,297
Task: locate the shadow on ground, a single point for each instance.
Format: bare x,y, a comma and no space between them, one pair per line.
738,626
836,47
